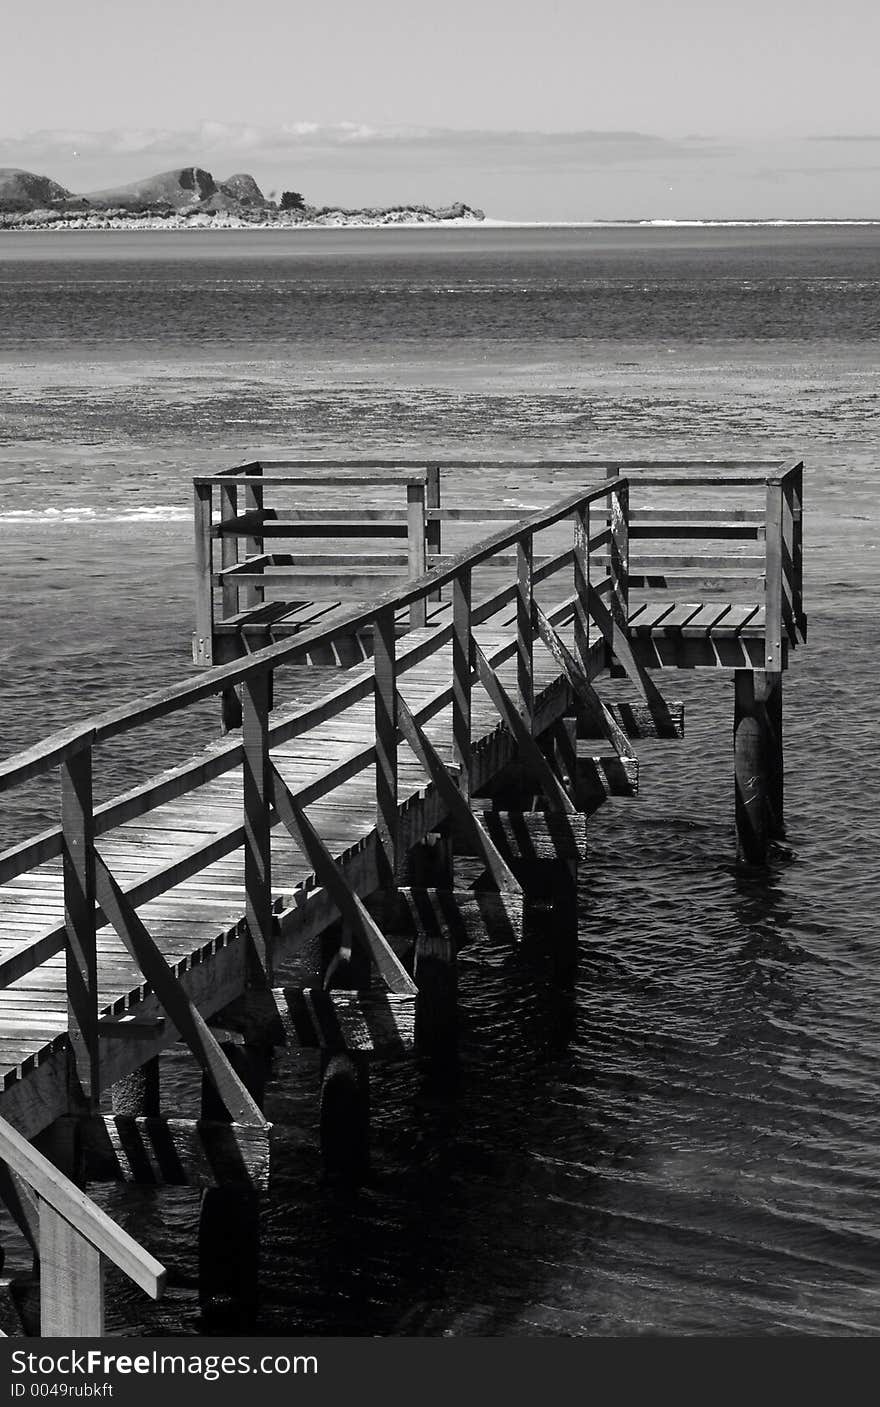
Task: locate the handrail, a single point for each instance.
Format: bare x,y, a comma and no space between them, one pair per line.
43,756
79,1211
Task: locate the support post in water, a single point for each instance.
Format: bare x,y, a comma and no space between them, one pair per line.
229,1221
138,1094
758,762
430,866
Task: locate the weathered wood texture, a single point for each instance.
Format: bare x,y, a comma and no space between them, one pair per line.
175,1152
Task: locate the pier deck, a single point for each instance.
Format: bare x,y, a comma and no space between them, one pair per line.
453,712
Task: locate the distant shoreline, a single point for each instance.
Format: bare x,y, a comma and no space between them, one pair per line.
226,224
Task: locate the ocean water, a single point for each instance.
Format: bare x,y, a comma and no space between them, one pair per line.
683,1136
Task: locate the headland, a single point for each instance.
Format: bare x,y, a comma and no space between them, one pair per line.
190,198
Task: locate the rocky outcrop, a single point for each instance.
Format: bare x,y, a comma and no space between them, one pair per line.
183,189
244,189
187,198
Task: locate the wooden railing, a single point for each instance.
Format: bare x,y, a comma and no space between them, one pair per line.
704,551
591,575
73,1239
232,507
92,895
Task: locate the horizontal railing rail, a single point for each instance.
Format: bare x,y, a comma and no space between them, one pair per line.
73,1239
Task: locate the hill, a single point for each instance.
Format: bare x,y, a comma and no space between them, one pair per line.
182,189
23,190
185,198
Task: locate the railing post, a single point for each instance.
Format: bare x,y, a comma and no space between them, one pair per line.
203,639
415,525
524,629
461,678
257,800
78,860
253,545
71,1280
582,584
385,685
433,529
228,547
792,536
618,565
773,579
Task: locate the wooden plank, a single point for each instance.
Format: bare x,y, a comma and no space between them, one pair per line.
617,637
462,672
330,876
650,616
385,713
253,593
674,528
594,707
668,518
640,720
451,919
174,1152
527,836
708,616
228,546
183,1012
452,797
257,796
373,1023
707,563
737,617
677,616
557,796
71,1280
773,597
59,1194
328,585
78,859
684,582
582,584
415,515
204,631
597,778
524,630
618,562
336,522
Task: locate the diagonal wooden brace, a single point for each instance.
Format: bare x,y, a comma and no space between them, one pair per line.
183,1012
330,876
446,786
599,714
617,637
555,792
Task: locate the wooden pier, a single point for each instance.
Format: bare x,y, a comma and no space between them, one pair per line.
397,691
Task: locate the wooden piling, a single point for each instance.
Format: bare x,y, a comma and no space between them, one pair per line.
758,762
229,1217
138,1093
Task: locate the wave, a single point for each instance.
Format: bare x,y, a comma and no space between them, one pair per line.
82,513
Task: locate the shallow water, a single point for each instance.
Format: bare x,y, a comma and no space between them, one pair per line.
682,1136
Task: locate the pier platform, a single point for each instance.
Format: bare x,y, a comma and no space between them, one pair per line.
397,690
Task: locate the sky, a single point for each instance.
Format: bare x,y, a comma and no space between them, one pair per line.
563,110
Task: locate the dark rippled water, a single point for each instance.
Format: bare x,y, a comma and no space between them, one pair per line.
682,1135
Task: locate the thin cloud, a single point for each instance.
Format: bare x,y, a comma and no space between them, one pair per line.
846,137
221,139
